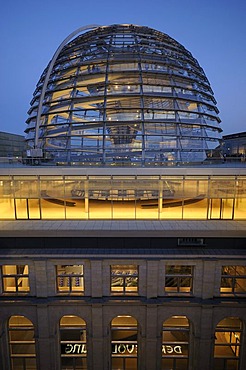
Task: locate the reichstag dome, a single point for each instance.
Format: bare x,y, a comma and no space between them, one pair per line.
123,95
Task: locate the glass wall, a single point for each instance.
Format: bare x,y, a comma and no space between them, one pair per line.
124,342
73,343
123,197
227,344
21,343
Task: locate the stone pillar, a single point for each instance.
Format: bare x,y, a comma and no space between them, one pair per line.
202,360
41,278
208,279
45,345
152,349
152,278
96,278
99,358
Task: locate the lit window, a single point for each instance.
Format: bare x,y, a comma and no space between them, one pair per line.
233,280
21,343
227,344
70,278
15,278
178,279
175,343
124,342
124,279
73,343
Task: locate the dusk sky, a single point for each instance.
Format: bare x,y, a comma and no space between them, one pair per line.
214,31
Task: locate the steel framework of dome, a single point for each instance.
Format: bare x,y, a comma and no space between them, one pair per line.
123,95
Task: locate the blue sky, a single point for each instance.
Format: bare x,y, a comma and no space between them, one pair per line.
212,30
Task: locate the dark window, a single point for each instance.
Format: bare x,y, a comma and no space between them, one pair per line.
179,279
233,280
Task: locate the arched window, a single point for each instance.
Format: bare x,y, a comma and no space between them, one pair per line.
124,342
73,343
175,343
227,344
21,343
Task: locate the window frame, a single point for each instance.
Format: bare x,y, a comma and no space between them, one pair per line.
179,276
233,278
23,357
69,288
124,276
16,276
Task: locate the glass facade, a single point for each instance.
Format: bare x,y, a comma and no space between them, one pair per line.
123,197
124,95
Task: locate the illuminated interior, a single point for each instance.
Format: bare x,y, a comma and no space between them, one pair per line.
22,343
124,279
15,278
124,95
124,341
73,343
175,343
123,197
227,344
70,279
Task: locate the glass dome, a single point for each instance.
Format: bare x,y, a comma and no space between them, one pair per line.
123,95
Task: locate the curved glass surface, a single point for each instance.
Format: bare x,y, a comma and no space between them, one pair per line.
125,95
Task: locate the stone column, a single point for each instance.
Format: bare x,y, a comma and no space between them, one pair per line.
203,355
152,348
99,358
46,351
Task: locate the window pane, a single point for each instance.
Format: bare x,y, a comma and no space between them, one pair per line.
70,278
124,279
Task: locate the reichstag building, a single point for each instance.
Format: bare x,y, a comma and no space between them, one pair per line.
123,230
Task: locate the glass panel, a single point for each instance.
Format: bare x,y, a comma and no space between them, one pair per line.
33,208
195,199
75,209
227,209
21,208
215,208
52,208
240,285
7,209
240,208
